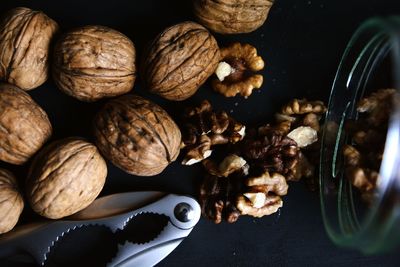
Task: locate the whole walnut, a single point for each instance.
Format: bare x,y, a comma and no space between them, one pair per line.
137,135
94,62
11,201
180,60
24,126
232,16
65,177
25,37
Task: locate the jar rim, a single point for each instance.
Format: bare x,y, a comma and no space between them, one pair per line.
372,41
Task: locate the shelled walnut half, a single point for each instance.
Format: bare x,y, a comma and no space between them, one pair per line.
267,149
221,187
263,195
236,71
203,128
301,121
228,190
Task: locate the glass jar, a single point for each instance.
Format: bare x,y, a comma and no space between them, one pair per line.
371,61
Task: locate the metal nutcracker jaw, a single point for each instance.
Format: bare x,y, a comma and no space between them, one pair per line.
113,212
183,213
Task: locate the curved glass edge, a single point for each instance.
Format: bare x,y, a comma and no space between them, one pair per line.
337,205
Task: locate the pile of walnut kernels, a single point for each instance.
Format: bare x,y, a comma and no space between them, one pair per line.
363,156
251,176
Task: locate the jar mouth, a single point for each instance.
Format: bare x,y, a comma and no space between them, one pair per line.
374,48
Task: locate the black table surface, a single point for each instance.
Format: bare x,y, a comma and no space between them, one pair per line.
302,43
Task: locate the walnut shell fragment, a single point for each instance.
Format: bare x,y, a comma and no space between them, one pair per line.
25,37
94,62
11,201
65,177
24,125
232,16
180,60
137,135
236,71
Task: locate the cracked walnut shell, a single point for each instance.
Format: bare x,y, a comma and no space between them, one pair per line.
94,62
236,71
24,126
180,60
232,16
137,135
25,37
65,177
11,201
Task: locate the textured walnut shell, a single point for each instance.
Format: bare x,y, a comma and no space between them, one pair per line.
24,126
25,37
232,16
65,177
180,60
137,135
94,62
11,201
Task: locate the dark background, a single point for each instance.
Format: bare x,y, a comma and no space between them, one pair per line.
301,43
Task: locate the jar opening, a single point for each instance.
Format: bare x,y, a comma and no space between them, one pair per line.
371,62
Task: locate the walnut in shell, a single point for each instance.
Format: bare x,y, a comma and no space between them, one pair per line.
65,177
137,135
25,37
232,16
11,201
24,126
180,60
94,62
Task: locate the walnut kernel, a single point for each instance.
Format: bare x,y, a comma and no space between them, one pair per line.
235,73
303,136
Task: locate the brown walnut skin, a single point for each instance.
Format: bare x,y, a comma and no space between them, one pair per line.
232,16
65,177
11,201
137,135
180,60
94,62
25,37
24,125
